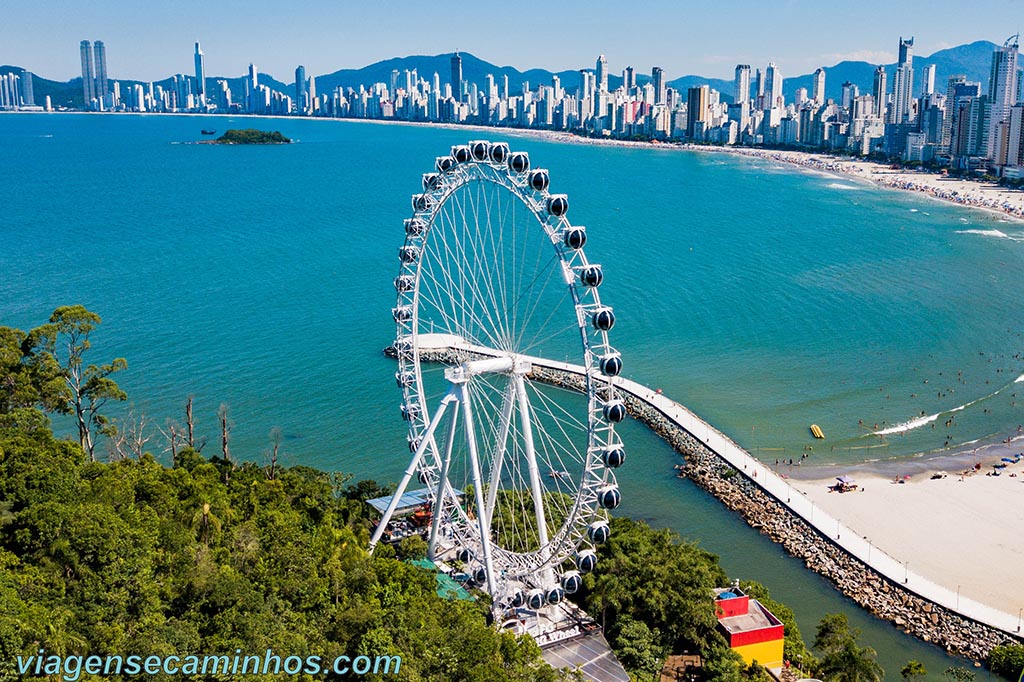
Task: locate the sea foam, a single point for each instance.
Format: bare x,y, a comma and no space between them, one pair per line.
999,234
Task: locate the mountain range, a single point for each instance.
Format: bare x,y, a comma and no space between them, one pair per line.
972,60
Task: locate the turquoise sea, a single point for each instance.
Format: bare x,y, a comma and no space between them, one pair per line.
765,298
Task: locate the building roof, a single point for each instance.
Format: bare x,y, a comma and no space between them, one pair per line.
756,618
407,503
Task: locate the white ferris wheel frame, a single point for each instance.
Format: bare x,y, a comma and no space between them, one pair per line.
506,570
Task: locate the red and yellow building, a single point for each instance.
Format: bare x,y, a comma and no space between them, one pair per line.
751,630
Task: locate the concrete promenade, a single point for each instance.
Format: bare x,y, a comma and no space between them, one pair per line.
896,570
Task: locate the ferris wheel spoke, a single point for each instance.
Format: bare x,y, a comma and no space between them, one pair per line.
484,261
476,277
560,451
444,286
496,263
556,308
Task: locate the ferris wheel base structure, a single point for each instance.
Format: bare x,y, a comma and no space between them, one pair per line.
519,477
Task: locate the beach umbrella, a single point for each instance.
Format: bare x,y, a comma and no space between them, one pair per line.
1011,461
844,479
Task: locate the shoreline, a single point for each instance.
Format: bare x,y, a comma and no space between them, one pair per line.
913,593
973,194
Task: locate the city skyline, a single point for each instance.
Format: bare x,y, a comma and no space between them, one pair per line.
147,41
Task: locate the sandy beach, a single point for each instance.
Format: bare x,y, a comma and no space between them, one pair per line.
987,196
981,195
965,532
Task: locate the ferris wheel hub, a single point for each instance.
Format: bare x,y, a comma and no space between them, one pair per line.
504,364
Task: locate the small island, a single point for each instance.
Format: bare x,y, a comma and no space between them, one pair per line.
252,136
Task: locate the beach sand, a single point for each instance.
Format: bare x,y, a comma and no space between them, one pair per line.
986,196
962,532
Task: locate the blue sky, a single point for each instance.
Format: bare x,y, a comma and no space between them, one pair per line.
154,38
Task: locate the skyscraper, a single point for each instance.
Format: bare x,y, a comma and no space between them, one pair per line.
301,106
903,83
928,80
850,93
818,92
200,61
457,76
602,74
742,96
658,76
27,93
773,96
879,92
1002,89
100,52
957,89
696,111
742,83
88,74
252,84
628,79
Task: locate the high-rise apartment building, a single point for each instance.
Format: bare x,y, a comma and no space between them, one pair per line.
1002,90
101,89
879,92
850,93
903,83
928,81
957,89
27,92
200,62
629,79
696,111
773,96
457,76
742,83
658,76
602,73
302,106
88,74
818,92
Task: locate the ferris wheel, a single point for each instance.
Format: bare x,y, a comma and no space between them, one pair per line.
507,377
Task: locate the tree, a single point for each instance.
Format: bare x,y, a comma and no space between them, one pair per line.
955,672
637,647
1008,661
275,442
913,671
225,431
89,387
28,379
843,659
128,436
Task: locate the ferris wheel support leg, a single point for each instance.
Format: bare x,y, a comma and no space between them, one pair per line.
481,517
499,454
442,485
531,463
417,456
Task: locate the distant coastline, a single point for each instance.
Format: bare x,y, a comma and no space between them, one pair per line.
974,194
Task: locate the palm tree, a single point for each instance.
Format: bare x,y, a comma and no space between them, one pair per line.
204,520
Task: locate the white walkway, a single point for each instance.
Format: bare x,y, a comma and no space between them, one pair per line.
892,568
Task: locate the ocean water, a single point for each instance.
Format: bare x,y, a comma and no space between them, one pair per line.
765,298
